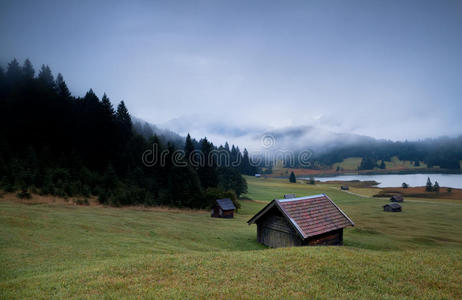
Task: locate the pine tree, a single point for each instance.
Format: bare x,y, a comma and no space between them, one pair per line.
436,187
188,148
382,164
245,165
123,119
207,173
292,178
28,70
107,108
14,71
61,86
184,188
147,130
429,186
46,77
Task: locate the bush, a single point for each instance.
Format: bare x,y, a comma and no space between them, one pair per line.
83,201
103,196
24,194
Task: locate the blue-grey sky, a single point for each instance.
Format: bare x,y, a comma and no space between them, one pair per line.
226,69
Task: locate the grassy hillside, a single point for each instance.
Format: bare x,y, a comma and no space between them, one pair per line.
65,251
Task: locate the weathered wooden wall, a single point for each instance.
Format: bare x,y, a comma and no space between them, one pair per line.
274,230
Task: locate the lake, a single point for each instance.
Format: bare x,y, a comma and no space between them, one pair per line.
395,180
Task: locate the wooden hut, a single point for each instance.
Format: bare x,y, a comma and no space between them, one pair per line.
310,220
344,188
223,208
397,198
392,207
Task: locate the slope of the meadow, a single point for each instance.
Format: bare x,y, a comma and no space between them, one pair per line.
65,251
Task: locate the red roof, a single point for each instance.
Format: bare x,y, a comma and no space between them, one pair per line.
310,215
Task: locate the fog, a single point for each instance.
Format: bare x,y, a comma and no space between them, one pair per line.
235,70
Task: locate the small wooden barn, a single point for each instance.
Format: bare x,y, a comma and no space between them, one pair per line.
397,198
344,188
310,220
392,207
223,208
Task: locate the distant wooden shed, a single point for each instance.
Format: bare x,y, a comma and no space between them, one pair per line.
397,198
344,187
392,207
223,208
310,220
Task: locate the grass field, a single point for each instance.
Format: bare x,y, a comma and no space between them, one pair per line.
65,251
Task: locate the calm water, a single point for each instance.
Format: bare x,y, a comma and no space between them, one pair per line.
394,180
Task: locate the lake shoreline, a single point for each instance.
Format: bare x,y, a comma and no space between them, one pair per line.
396,180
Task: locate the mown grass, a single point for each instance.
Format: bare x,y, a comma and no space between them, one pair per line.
64,251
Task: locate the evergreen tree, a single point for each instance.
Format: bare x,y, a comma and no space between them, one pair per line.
429,186
184,188
147,130
107,109
61,86
46,77
28,70
292,178
436,187
382,165
188,148
14,71
123,119
230,179
207,172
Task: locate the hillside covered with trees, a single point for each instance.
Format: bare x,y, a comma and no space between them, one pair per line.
54,143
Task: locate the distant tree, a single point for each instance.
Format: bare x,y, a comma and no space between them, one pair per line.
184,188
292,177
429,185
367,163
14,71
123,119
147,130
188,148
28,70
338,169
417,163
449,190
62,88
382,165
110,179
312,181
207,173
231,179
404,185
436,187
107,108
46,77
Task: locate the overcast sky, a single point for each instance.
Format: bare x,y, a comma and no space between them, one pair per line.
224,69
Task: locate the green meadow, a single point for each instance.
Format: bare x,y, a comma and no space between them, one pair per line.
66,251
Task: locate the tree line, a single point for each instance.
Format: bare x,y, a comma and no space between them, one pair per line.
444,152
54,143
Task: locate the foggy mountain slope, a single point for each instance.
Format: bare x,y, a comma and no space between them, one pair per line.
147,130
